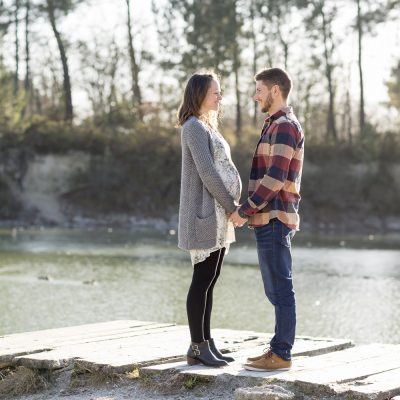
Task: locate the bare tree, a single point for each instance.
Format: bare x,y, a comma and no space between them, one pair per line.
321,15
328,50
16,22
369,14
61,48
53,9
100,80
27,80
360,70
136,91
236,67
253,38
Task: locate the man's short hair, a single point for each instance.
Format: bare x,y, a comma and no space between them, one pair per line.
276,76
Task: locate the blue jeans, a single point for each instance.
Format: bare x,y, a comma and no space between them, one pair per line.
275,258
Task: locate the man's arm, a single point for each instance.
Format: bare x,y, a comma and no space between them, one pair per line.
283,146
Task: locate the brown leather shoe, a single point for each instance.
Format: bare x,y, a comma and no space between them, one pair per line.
269,362
252,359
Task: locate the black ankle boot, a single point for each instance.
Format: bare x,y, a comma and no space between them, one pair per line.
217,353
201,353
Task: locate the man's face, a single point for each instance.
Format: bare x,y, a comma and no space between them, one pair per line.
264,96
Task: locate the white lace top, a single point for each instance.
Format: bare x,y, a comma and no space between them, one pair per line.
231,178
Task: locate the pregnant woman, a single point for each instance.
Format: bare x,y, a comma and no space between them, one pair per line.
210,192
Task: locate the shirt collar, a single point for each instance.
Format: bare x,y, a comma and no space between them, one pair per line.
280,113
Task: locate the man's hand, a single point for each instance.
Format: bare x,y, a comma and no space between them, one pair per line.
237,220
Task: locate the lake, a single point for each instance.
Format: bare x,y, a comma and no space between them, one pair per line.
346,287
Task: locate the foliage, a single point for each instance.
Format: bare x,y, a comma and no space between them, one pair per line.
393,86
211,32
61,7
137,174
11,106
45,136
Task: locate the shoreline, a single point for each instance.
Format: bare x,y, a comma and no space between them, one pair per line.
321,235
371,225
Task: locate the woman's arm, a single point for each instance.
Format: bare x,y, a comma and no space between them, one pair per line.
197,140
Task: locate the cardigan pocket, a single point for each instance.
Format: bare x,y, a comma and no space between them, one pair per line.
205,227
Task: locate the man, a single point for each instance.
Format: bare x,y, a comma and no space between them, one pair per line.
272,210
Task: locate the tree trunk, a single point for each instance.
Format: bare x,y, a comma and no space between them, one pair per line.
137,95
66,82
255,55
236,65
331,124
348,115
27,81
238,105
280,21
112,98
16,76
307,107
359,29
285,45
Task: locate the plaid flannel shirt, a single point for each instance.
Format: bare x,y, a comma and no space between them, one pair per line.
274,184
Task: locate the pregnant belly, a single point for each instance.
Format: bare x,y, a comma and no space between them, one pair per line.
233,183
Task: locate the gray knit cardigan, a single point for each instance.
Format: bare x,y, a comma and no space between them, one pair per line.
200,185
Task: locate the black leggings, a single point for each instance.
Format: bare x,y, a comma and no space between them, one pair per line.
200,295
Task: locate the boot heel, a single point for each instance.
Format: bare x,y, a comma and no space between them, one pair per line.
192,361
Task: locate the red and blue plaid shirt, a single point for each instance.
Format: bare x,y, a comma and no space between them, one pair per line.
274,184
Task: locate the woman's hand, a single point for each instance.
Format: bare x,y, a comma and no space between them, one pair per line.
237,220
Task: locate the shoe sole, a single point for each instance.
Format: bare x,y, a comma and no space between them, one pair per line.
249,368
194,361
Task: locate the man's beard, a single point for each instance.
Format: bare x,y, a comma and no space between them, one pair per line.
268,103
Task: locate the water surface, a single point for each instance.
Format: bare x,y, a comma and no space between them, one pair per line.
52,278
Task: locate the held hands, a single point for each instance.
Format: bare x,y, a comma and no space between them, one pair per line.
237,220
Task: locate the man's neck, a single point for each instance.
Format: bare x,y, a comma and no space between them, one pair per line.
276,107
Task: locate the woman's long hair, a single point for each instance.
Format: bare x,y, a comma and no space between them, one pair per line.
193,97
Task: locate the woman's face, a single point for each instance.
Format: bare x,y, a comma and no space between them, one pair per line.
212,99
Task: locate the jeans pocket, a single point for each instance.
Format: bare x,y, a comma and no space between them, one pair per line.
287,235
264,235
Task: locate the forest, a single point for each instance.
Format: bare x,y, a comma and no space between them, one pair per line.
110,97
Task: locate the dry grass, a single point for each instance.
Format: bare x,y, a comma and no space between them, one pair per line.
20,380
133,374
83,376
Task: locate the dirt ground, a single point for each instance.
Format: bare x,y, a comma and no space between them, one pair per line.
67,385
